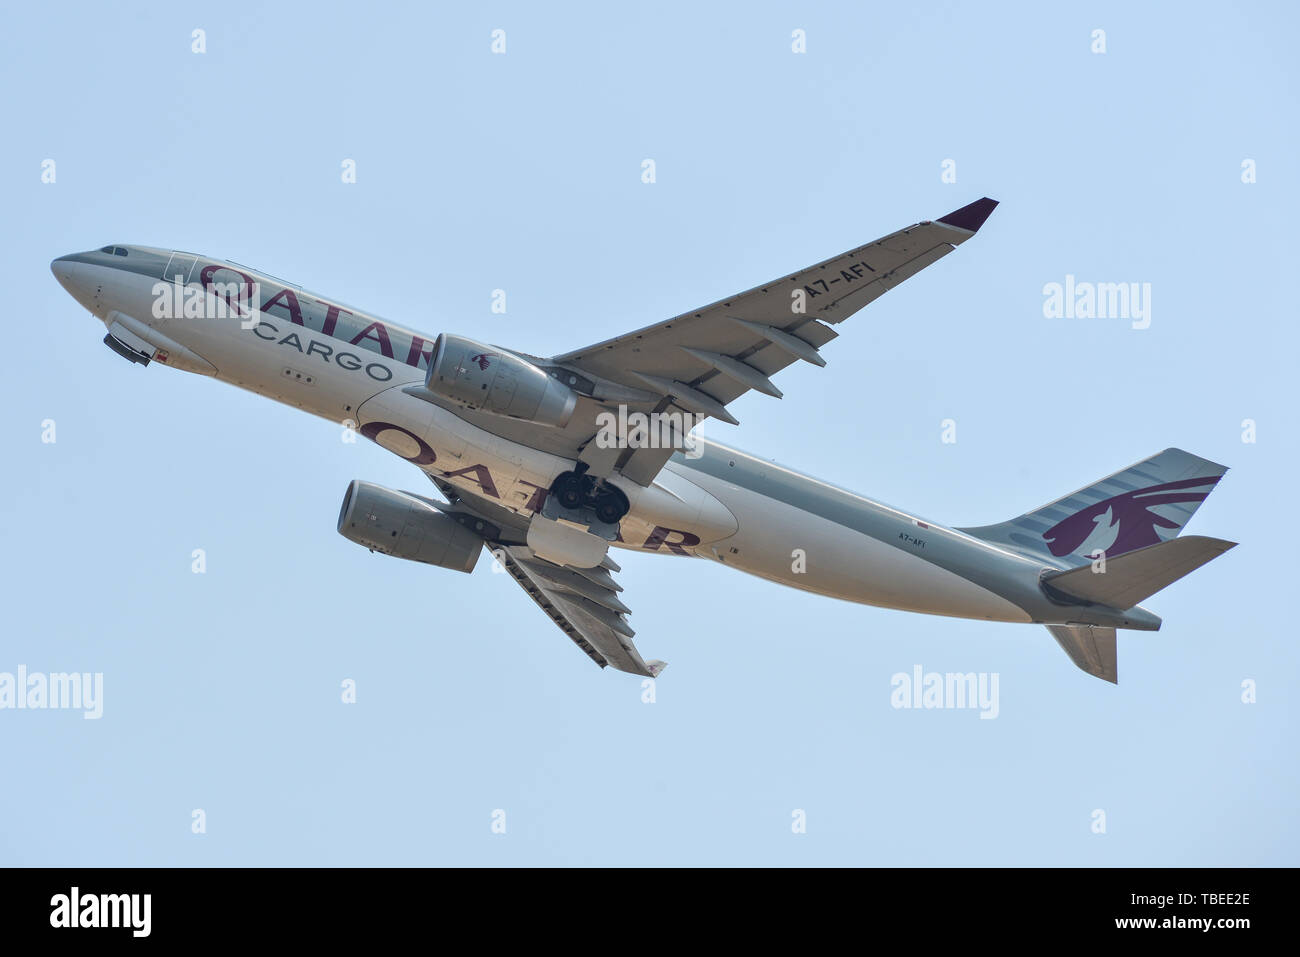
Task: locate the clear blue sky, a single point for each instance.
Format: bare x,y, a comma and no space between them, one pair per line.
522,172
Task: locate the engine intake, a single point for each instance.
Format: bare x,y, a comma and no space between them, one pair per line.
488,379
405,526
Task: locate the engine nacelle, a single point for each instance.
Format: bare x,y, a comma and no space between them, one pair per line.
400,524
487,379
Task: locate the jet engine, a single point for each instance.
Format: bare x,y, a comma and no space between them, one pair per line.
489,379
406,526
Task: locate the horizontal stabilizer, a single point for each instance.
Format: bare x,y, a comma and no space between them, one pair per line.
1091,647
1136,575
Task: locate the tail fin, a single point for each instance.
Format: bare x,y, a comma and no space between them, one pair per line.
1119,514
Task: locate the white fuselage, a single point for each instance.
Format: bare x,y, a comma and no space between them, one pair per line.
685,511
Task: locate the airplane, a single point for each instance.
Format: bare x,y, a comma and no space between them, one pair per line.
549,462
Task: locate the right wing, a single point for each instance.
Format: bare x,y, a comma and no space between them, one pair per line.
704,359
583,603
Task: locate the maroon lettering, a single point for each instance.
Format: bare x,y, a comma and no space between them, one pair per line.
290,305
425,456
207,282
659,536
482,477
418,352
331,316
380,336
538,498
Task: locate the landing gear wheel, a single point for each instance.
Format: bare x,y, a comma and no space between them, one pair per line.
611,505
569,491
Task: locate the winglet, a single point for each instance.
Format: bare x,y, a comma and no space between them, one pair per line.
971,217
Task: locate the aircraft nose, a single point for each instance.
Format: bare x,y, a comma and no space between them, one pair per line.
74,276
63,269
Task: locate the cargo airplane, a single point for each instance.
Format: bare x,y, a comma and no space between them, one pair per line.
547,462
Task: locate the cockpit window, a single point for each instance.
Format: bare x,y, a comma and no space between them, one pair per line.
115,250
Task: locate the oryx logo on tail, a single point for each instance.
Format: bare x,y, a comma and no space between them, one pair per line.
1124,522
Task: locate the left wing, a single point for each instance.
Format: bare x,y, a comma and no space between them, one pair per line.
584,604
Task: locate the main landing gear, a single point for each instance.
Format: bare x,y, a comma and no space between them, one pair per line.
576,490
